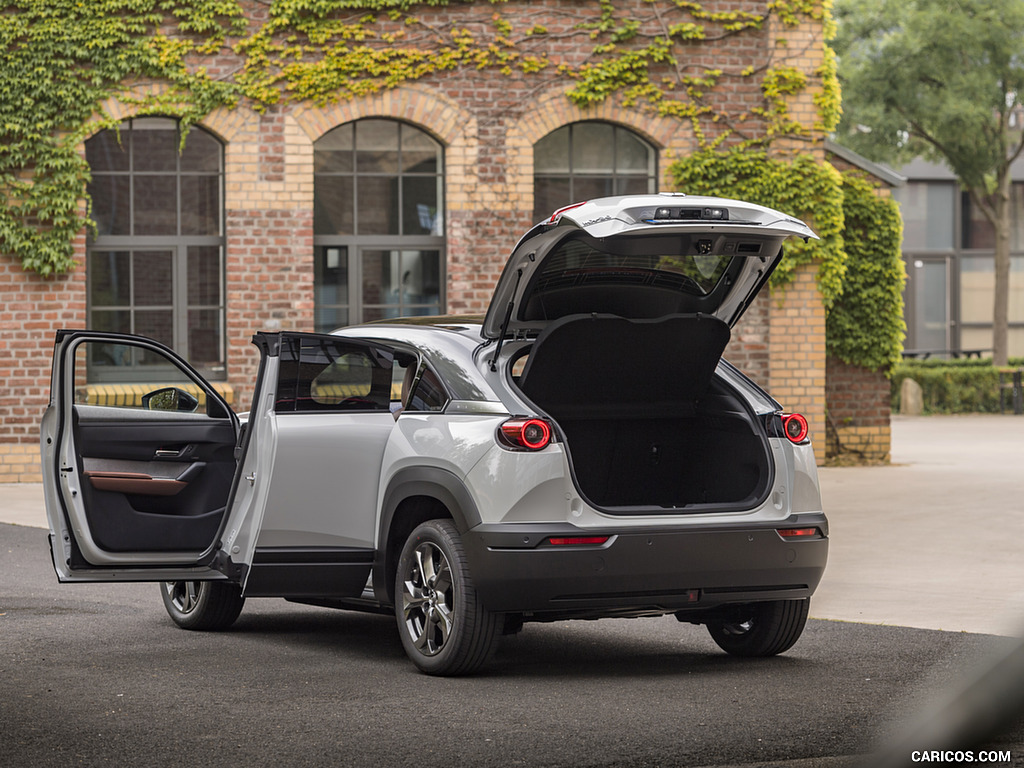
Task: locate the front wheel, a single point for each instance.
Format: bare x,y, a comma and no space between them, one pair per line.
444,628
202,605
761,629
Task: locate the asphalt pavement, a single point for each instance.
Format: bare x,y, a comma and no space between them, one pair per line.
932,540
96,674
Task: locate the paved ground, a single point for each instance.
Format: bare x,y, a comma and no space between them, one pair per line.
931,541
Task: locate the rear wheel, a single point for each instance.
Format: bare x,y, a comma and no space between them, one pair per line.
202,605
761,629
444,628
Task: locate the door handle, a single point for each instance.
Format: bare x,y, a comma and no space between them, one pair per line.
173,453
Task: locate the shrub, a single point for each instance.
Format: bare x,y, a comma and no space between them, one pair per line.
952,386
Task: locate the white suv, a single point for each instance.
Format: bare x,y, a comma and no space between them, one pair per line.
581,451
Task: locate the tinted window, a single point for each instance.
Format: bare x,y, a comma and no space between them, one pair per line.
320,374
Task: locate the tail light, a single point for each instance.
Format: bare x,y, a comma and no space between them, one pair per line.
525,434
794,426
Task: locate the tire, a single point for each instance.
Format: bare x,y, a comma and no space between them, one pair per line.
444,629
761,629
202,605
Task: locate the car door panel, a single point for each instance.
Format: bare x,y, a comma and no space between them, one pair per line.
132,487
331,422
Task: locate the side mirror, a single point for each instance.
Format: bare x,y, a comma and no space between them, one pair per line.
169,399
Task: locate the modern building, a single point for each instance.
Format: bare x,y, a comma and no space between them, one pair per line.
949,250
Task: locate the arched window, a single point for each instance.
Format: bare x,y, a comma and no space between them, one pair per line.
588,160
378,223
155,266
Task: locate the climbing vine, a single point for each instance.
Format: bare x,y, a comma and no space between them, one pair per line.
860,270
60,60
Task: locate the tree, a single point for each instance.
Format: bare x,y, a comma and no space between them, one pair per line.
940,79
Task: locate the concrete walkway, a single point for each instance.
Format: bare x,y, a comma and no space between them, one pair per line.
933,540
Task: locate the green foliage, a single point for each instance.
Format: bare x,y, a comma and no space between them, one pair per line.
953,386
932,78
798,186
860,272
61,59
865,326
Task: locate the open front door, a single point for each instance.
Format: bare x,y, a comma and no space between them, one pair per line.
137,477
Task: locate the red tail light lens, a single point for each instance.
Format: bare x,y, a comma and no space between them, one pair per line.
795,427
577,541
799,533
527,434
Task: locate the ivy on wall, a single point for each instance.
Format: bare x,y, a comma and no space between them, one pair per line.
866,326
60,59
860,272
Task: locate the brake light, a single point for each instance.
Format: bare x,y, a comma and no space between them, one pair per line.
795,427
575,541
798,533
528,434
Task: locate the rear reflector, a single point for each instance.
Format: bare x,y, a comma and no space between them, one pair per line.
575,541
528,434
798,533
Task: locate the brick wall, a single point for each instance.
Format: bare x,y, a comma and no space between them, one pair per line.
488,123
858,413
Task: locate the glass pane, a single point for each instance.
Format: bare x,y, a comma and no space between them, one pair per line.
204,337
977,288
332,152
332,205
928,212
634,185
420,153
152,277
928,281
421,214
200,205
155,144
549,194
377,146
631,153
111,321
377,206
421,278
103,152
157,324
592,187
109,279
204,276
329,318
155,207
380,277
593,148
111,204
201,153
551,154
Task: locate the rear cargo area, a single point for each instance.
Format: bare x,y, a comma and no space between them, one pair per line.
646,421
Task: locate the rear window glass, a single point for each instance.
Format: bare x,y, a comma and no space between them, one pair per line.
693,265
319,374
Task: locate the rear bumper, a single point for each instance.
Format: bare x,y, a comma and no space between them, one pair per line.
515,570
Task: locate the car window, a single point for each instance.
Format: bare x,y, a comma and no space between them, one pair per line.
319,374
429,393
163,387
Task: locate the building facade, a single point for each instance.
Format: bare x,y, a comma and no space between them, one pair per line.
404,200
949,250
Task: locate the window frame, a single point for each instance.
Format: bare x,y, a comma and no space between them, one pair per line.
178,245
355,244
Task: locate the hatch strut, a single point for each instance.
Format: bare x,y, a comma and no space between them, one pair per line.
506,321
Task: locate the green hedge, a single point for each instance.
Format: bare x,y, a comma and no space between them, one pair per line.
953,386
